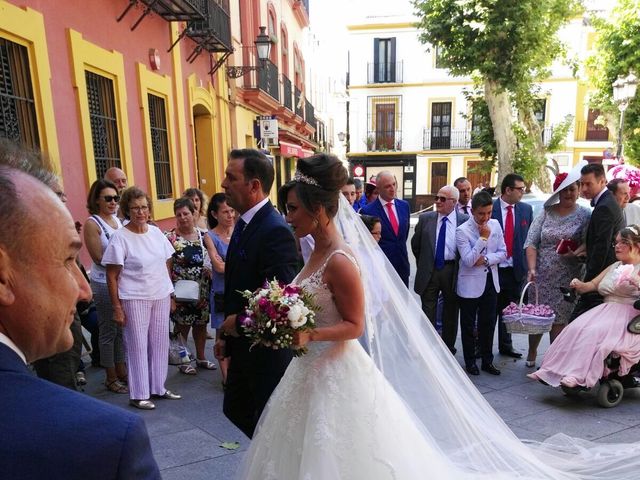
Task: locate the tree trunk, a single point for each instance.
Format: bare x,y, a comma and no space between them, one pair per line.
533,128
500,112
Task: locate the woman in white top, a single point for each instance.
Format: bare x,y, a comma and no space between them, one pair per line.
102,203
140,288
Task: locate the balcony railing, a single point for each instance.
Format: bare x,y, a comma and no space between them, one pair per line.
588,132
265,78
461,139
384,140
214,32
309,113
384,72
287,94
298,103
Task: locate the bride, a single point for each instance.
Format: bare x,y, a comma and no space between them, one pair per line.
405,412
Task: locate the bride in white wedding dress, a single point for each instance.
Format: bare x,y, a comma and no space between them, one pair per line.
407,411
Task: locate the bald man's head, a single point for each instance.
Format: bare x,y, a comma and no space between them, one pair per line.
117,177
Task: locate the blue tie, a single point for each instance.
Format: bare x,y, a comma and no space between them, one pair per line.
440,245
237,231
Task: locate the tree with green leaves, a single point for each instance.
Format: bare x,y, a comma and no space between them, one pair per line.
510,45
617,52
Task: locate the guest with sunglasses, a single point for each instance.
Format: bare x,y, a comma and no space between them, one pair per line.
102,204
434,246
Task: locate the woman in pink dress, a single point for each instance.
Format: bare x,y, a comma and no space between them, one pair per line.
577,356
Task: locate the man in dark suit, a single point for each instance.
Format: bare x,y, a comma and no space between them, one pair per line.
394,217
514,217
47,431
262,248
434,246
606,221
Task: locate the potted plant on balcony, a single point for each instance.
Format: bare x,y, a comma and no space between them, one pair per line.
370,141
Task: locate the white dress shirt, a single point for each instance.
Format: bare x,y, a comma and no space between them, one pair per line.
503,209
9,343
460,208
450,238
393,206
249,214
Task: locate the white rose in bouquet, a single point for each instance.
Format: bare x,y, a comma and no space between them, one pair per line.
296,316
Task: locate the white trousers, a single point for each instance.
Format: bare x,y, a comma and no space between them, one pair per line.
146,339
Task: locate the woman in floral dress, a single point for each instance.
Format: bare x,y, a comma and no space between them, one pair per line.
565,220
190,262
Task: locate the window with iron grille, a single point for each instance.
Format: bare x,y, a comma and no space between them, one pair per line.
104,122
17,106
160,146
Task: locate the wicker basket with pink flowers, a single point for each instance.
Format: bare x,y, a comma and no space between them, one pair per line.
529,319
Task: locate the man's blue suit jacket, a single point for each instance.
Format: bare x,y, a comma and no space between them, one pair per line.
394,246
523,218
50,432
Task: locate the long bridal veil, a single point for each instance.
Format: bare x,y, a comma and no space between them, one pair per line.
449,410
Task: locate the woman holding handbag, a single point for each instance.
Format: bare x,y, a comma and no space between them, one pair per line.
554,242
190,269
221,218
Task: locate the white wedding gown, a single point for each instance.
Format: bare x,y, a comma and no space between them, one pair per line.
334,416
405,412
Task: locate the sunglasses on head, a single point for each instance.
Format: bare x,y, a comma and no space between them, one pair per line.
111,198
440,198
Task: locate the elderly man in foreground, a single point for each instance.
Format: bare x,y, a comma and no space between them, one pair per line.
47,431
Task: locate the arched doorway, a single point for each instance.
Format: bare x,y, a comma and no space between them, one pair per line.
204,149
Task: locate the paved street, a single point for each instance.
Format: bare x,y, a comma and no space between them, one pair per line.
186,434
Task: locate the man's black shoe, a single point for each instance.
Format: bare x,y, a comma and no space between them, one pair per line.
473,370
511,353
490,369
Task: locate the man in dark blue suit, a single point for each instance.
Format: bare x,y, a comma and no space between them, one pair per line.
47,431
394,216
515,217
262,248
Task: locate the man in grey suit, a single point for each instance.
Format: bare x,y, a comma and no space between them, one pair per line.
434,246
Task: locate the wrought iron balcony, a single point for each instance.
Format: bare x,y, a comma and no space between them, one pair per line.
444,138
384,72
309,113
287,94
299,103
588,132
213,31
170,10
384,140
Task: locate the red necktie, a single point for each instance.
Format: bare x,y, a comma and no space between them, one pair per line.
508,231
392,218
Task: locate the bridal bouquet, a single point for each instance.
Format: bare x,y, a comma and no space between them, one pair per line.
275,312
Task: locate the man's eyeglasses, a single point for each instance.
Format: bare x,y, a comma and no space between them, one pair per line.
440,198
518,188
111,198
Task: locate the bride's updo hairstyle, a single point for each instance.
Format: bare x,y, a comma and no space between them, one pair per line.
317,182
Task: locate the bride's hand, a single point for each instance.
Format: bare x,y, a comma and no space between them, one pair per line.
300,339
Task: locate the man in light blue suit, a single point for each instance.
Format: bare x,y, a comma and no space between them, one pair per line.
47,431
394,217
481,248
514,217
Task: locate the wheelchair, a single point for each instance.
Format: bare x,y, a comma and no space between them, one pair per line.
611,387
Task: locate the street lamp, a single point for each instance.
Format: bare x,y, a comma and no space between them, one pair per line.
341,136
624,89
263,46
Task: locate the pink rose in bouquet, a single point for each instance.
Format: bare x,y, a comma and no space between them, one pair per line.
274,312
529,309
